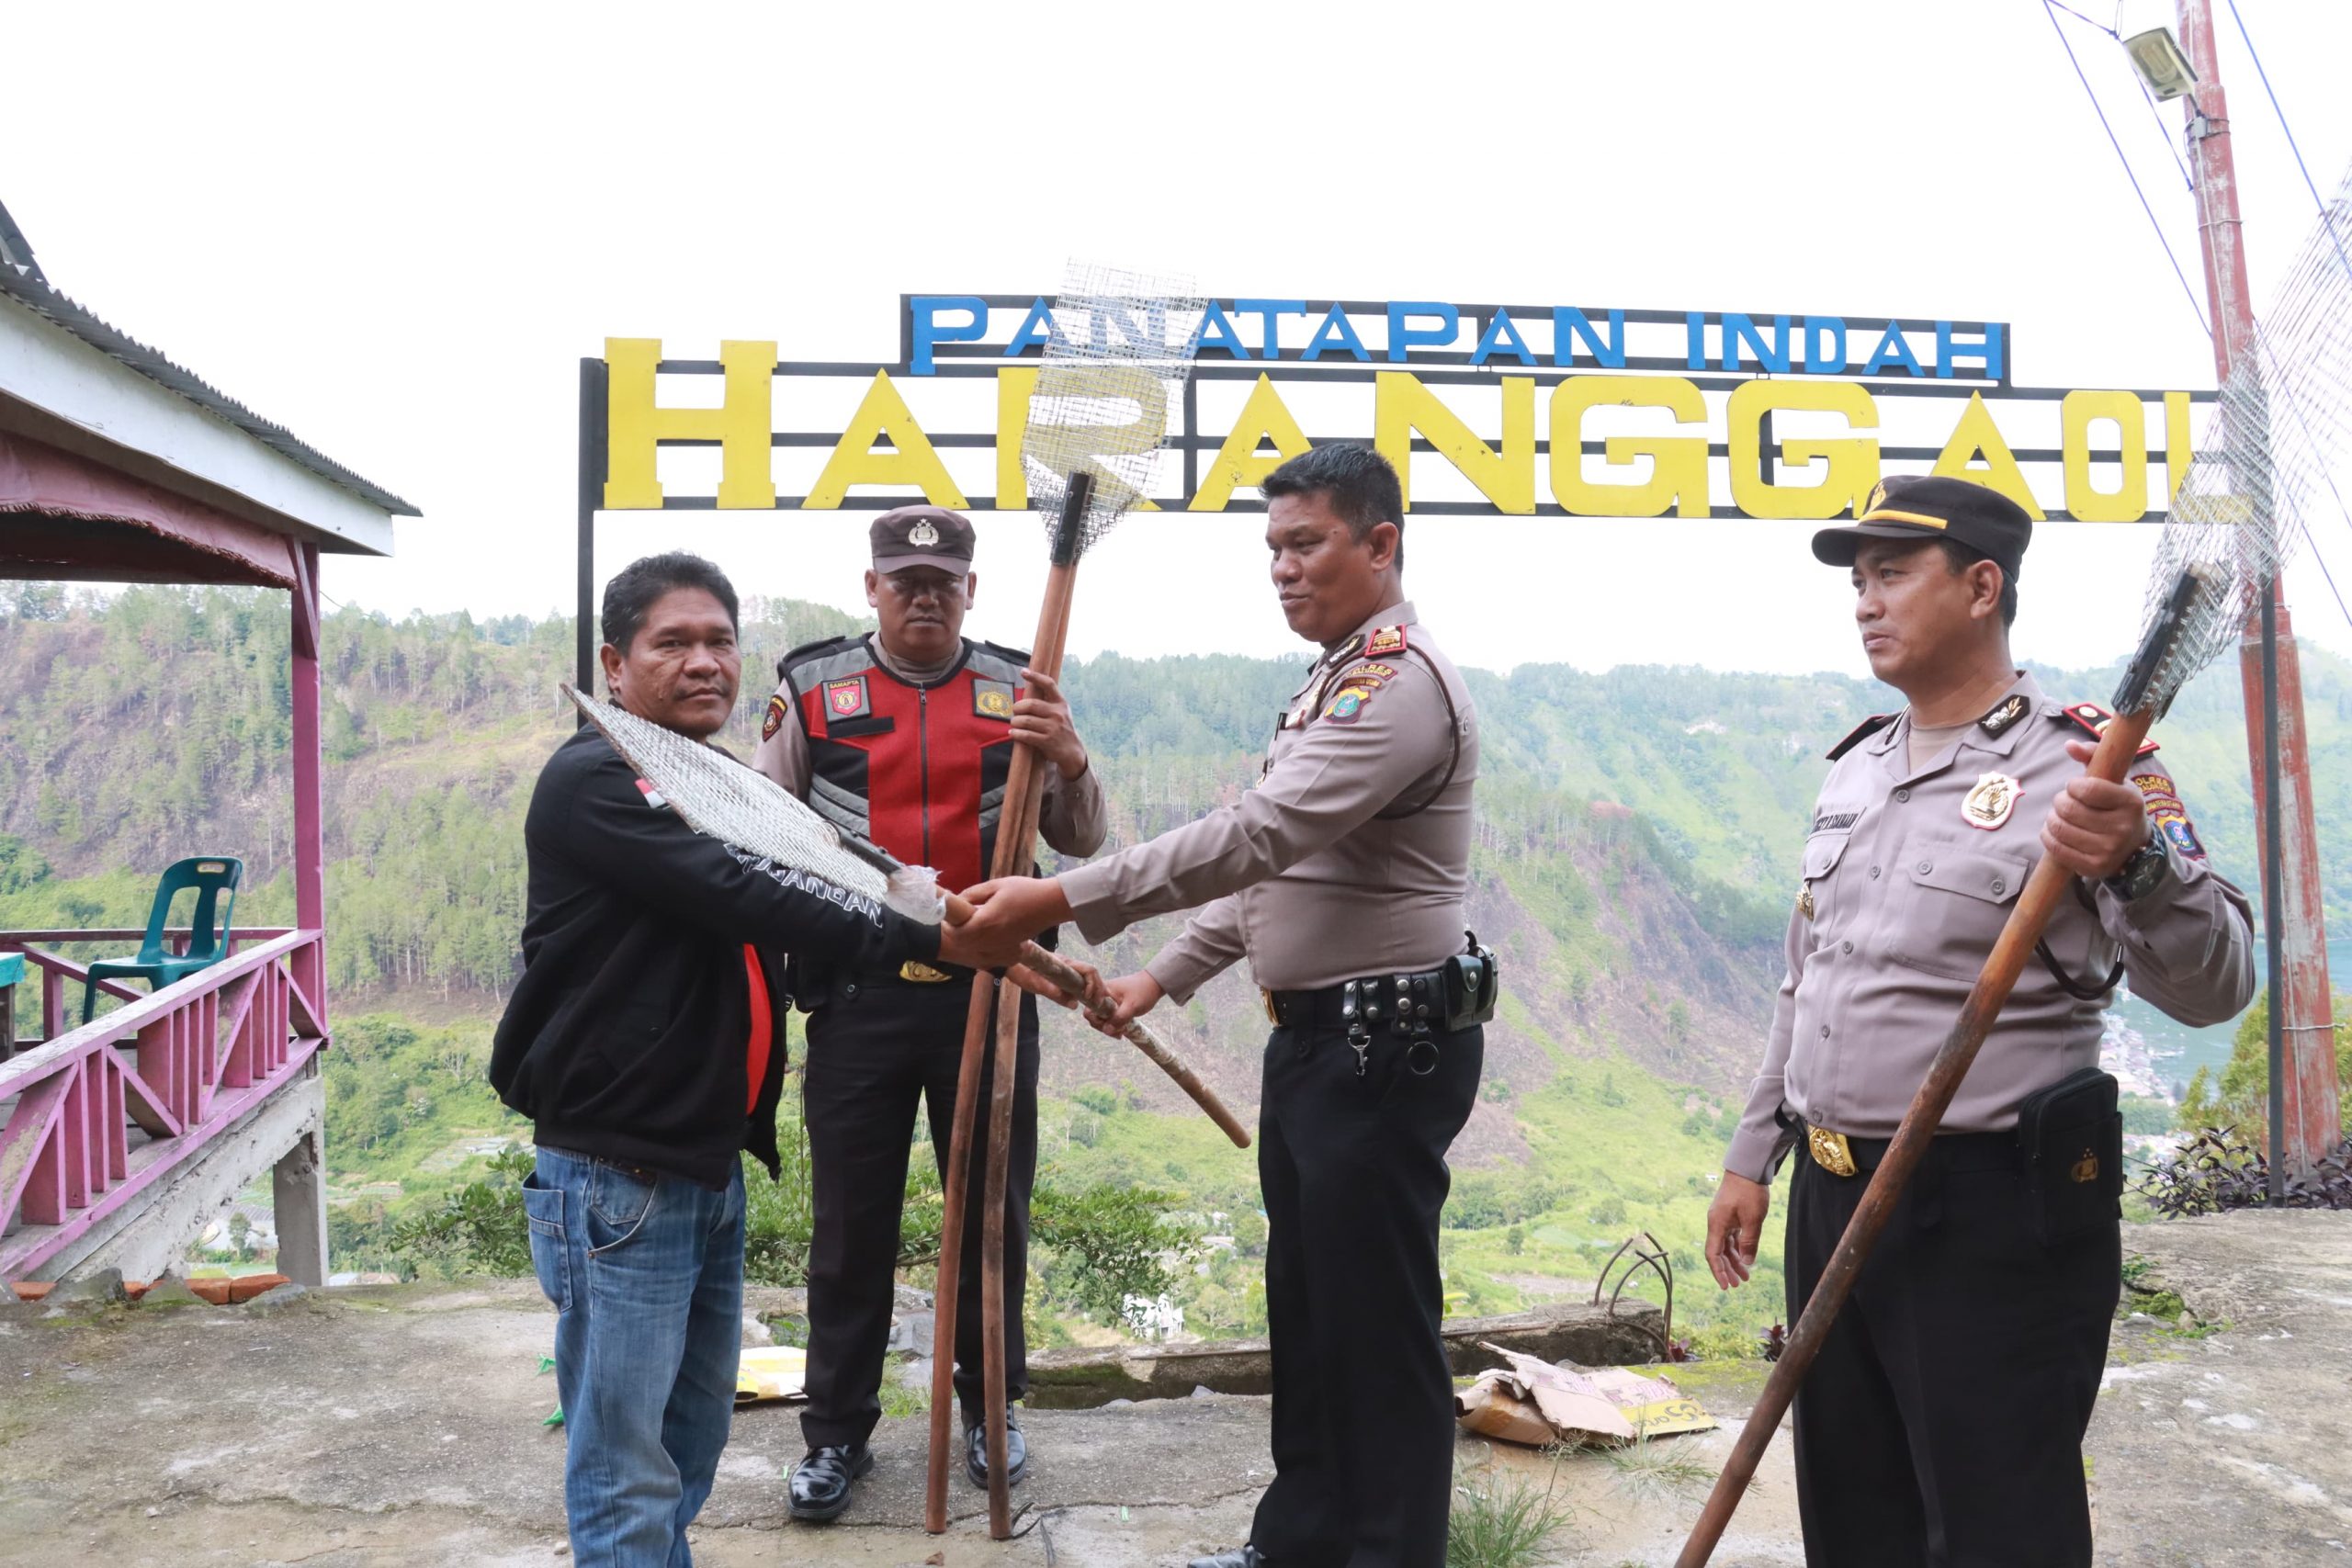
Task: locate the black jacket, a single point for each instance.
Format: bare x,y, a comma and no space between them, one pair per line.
626,1036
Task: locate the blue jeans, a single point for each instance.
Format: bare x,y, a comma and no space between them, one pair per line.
646,1273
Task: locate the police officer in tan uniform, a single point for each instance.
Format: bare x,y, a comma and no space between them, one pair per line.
1340,877
1944,1421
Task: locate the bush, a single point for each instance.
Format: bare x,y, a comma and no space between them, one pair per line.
481,1228
2220,1170
1109,1245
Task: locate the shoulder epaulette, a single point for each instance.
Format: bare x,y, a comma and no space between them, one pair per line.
2093,720
1381,641
1861,733
2005,712
808,649
1019,656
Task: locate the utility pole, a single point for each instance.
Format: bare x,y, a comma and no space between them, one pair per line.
2304,1120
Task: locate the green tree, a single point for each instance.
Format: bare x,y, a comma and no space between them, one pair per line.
2240,1097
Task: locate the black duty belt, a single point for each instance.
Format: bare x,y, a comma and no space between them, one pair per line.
1842,1155
1411,1006
1392,999
914,975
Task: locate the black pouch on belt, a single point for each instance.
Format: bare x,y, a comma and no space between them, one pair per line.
2070,1138
1473,984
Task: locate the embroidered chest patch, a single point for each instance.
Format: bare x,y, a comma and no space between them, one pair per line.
848,698
992,699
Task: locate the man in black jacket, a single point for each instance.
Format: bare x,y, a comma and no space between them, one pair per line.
644,1040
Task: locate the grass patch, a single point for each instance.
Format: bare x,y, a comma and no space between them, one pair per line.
1502,1522
1657,1472
901,1397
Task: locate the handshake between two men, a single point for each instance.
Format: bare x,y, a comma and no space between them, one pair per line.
1006,915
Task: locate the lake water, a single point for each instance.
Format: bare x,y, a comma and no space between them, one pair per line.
2177,1050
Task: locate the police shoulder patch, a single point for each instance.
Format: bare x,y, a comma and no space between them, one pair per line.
2156,786
2172,821
1384,641
1346,705
2093,720
2167,814
779,709
1860,733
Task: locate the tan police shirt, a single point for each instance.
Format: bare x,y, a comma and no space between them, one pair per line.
1350,856
1071,818
1909,874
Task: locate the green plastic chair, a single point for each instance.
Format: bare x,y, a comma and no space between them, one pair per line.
212,877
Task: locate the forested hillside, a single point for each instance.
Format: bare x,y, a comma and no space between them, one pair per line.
1636,827
1636,835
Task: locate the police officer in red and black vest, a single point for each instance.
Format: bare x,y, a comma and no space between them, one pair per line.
905,737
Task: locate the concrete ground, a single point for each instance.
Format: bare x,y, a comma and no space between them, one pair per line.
400,1426
2232,1447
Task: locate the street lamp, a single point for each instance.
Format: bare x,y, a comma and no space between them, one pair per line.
2157,56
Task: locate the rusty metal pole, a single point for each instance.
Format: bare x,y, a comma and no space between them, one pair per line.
2303,1123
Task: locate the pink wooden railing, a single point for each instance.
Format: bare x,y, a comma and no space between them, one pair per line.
94,1119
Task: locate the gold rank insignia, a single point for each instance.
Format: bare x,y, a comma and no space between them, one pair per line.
1804,900
2001,717
1989,803
1384,641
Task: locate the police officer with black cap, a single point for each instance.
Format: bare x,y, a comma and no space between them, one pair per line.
1944,1421
904,737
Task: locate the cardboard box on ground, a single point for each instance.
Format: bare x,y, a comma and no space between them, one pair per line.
1536,1402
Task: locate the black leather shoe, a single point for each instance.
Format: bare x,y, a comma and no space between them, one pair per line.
1239,1557
976,1452
822,1480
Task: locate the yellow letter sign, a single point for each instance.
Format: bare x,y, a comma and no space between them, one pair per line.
912,461
739,424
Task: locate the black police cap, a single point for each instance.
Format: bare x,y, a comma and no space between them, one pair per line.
1934,506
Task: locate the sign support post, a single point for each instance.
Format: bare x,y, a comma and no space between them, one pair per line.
593,415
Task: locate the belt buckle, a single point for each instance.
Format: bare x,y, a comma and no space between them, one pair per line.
1266,1000
1830,1151
922,974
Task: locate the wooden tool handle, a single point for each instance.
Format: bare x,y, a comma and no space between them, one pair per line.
1163,1055
1015,843
2117,748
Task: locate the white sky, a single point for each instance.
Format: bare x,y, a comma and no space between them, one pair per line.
397,235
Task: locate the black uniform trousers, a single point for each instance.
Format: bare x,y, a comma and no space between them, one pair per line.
874,1048
1353,1173
1942,1425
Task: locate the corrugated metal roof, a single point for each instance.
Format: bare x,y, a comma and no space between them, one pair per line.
31,291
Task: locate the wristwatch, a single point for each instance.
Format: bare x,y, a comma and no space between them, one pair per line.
2140,875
